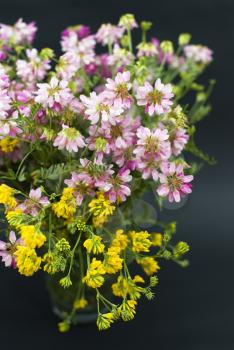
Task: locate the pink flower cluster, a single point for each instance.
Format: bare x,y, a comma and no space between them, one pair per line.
103,112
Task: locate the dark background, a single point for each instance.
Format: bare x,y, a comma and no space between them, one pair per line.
194,308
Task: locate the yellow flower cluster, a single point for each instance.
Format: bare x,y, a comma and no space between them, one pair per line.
7,196
8,144
120,240
80,304
104,321
94,276
149,265
66,207
125,286
14,217
32,236
101,208
94,245
112,261
156,239
27,260
140,241
127,310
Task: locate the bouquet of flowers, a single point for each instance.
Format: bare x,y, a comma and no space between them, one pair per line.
83,136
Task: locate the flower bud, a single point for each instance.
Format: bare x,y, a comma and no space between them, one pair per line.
145,26
184,39
167,46
128,21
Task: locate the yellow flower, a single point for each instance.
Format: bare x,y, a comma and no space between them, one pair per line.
80,304
120,240
94,278
66,207
180,249
49,260
65,282
14,217
104,321
156,239
27,260
127,310
113,262
64,326
149,265
138,279
94,245
32,237
125,286
121,287
101,208
140,241
8,144
6,196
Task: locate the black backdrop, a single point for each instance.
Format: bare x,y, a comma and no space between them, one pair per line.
194,308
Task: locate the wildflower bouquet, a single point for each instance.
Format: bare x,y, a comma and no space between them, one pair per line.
82,138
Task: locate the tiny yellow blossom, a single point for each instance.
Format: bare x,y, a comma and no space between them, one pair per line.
138,279
94,278
101,208
94,245
149,265
64,326
27,260
66,207
32,237
14,217
127,310
113,262
140,241
120,240
125,286
49,260
8,144
121,287
6,196
80,304
104,321
156,239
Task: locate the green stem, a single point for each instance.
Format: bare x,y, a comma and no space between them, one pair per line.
73,254
130,40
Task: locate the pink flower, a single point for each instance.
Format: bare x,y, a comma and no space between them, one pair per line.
153,144
98,108
116,187
32,69
117,90
54,92
4,79
34,203
68,65
69,139
149,167
84,49
7,250
82,185
147,49
24,33
174,183
178,139
125,158
9,128
120,57
109,34
198,53
5,104
156,100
